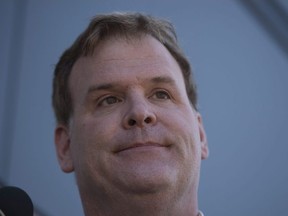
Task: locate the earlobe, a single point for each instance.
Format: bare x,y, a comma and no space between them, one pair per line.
203,138
63,148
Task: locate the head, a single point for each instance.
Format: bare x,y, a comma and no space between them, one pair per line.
102,27
128,126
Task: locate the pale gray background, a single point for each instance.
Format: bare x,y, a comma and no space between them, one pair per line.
242,77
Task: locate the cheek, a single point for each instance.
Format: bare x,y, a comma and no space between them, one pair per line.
96,129
91,143
90,136
183,126
184,121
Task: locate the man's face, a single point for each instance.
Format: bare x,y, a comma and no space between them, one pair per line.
133,128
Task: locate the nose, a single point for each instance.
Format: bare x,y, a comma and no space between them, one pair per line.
139,114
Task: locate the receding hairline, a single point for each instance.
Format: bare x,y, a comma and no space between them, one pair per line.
127,25
128,38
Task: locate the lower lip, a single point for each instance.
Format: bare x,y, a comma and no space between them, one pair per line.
144,148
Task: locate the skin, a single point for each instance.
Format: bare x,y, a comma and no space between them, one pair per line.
134,141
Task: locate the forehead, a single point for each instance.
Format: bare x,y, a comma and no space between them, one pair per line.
119,59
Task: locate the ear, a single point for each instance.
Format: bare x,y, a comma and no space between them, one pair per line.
203,138
63,148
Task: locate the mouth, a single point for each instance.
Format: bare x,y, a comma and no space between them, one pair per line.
141,146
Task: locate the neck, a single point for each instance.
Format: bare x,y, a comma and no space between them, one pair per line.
142,205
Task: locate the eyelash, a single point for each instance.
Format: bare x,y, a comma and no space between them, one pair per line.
167,95
105,99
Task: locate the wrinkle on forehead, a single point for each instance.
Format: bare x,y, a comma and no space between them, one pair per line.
125,47
120,56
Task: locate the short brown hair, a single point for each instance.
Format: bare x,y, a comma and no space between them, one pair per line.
102,27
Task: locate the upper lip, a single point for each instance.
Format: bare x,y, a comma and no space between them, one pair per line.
137,145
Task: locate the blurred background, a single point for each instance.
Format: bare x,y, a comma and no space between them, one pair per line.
239,53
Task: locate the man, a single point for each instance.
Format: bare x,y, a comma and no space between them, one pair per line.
127,122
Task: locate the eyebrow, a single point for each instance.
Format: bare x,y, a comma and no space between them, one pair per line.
105,86
163,79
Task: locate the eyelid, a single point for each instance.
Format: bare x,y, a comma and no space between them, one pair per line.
101,100
163,91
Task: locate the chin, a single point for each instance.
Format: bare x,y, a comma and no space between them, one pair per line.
148,179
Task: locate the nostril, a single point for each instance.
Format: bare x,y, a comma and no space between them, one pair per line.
131,122
148,120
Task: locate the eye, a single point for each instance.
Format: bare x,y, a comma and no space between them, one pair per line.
109,101
161,95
